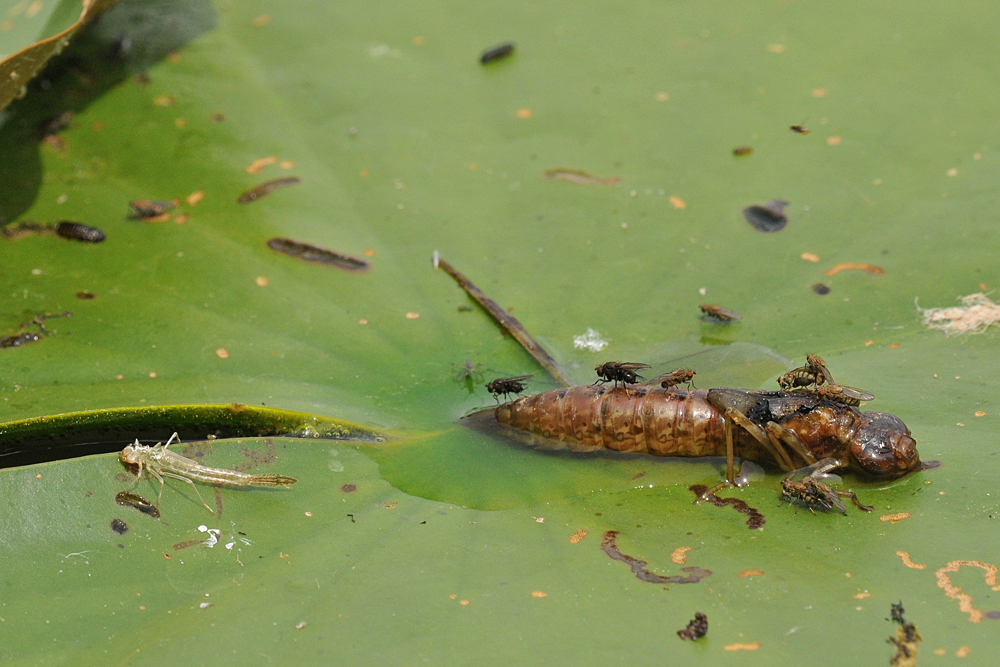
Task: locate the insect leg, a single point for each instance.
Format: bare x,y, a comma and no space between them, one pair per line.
193,486
155,474
780,457
854,498
779,434
172,439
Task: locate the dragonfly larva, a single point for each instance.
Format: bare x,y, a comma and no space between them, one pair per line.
161,462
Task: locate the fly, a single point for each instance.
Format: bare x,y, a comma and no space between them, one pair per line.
506,386
813,494
619,371
674,378
160,462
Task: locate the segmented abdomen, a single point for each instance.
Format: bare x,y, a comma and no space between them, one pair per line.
635,419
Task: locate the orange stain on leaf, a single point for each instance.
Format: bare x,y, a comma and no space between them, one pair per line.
853,266
955,593
680,555
742,647
750,573
677,202
895,518
578,536
909,563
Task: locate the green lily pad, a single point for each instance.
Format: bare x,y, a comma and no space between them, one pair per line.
446,545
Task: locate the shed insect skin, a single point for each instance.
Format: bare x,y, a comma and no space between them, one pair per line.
506,386
742,150
253,194
160,462
142,209
619,371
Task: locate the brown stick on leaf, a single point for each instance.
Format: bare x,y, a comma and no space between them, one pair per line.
507,321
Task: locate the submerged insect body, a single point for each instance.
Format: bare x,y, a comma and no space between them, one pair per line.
160,462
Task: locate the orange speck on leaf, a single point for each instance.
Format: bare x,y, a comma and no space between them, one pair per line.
262,20
412,316
750,573
152,374
809,257
895,517
677,202
258,164
364,173
833,141
539,594
164,101
909,563
369,252
261,281
222,353
286,164
851,266
464,603
419,40
453,596
962,651
742,647
180,123
181,218
892,346
862,595
980,413
819,92
776,48
578,536
195,197
662,96
362,321
869,342
680,555
524,113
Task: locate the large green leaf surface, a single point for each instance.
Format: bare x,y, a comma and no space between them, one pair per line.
448,546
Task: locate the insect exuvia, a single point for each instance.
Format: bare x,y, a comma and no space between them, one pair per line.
160,462
311,253
143,209
719,315
266,188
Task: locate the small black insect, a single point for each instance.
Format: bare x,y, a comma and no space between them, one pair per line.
506,386
769,217
497,53
821,289
119,527
18,340
619,371
696,629
800,129
742,150
79,232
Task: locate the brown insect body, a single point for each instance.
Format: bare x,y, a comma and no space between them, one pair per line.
673,422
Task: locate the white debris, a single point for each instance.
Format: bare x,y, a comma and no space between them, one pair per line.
589,341
976,314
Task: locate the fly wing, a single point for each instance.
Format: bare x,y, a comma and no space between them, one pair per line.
632,366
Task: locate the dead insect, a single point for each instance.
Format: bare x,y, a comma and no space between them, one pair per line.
465,309
126,498
79,232
86,295
742,150
506,386
813,494
769,217
800,128
497,53
821,289
718,314
143,209
674,378
790,429
253,194
119,527
619,371
696,629
16,230
311,253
